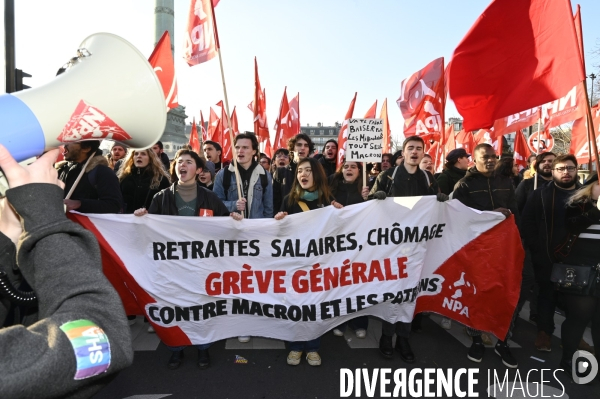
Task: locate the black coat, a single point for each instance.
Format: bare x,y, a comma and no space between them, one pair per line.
163,203
98,190
486,193
543,226
448,179
136,189
525,188
345,194
283,178
328,167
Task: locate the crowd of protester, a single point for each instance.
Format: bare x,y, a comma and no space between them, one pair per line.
557,215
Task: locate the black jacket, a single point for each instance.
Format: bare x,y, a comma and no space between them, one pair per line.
136,189
328,167
448,179
163,203
98,190
584,251
525,188
543,227
61,261
283,178
486,193
345,194
405,184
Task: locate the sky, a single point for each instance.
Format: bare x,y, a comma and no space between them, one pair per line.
324,49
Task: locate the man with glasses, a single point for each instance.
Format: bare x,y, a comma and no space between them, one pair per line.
543,230
484,190
282,158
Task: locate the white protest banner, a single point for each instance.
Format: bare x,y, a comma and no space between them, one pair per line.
199,280
365,140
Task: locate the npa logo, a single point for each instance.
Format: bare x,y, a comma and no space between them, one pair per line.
89,123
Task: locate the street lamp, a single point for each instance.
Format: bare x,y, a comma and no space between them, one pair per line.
592,76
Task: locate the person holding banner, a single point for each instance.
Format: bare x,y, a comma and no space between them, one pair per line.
347,188
406,180
186,197
309,191
484,190
79,338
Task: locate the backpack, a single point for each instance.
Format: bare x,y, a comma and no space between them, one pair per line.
227,180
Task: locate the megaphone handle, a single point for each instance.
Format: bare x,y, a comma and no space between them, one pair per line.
79,177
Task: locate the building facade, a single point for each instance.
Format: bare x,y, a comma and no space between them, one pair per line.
319,134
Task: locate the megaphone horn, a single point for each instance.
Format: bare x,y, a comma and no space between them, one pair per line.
109,91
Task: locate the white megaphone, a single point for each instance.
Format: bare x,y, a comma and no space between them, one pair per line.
109,91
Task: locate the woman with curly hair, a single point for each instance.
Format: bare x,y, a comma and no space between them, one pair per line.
141,176
309,192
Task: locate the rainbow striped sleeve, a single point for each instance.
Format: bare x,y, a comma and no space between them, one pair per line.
91,347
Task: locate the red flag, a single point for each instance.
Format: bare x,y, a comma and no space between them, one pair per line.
565,109
234,122
518,55
213,124
204,132
422,101
161,60
579,137
488,136
372,111
200,37
436,158
343,134
387,133
194,142
259,108
269,148
579,33
223,125
450,139
465,140
283,128
521,152
227,146
518,121
295,115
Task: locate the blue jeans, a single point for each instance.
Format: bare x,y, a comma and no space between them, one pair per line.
200,347
308,346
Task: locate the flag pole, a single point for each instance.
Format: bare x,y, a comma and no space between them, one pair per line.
591,131
233,157
539,133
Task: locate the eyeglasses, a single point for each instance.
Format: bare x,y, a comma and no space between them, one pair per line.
281,156
566,168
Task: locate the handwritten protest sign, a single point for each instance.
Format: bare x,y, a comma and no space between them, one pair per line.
365,140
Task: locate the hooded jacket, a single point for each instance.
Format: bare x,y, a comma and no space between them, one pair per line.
163,203
61,261
98,190
486,193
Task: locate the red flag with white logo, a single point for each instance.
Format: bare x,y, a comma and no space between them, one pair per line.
450,139
422,101
517,121
161,60
90,123
372,111
518,55
387,133
194,142
565,109
488,136
465,140
283,128
200,37
343,134
269,148
259,108
521,152
295,115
